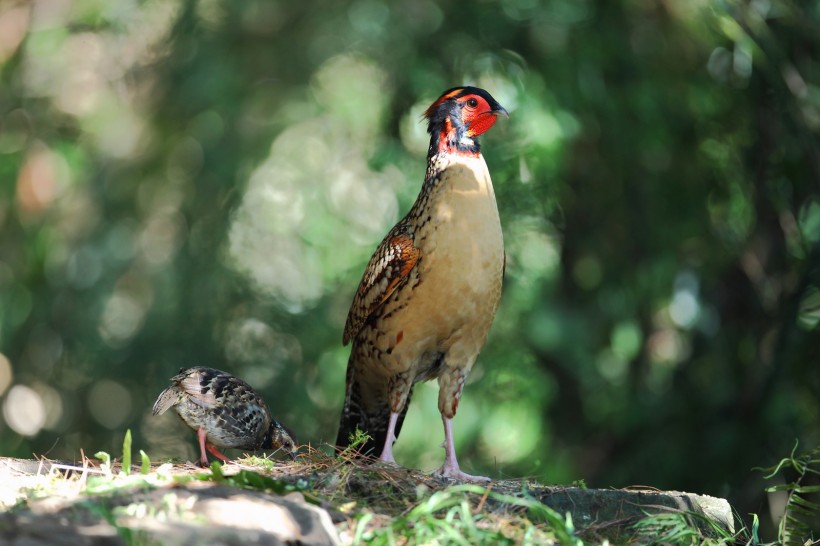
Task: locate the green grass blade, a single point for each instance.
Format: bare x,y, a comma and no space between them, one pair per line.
126,453
145,463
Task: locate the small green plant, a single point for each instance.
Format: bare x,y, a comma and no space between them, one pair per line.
126,453
355,441
801,513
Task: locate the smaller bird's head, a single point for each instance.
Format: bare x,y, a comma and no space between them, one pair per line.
279,438
458,117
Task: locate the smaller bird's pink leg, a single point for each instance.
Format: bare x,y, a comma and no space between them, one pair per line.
216,453
450,467
203,458
387,450
204,444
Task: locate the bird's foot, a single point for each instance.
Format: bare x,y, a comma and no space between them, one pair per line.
454,473
387,457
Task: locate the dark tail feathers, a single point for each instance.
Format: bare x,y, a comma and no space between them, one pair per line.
373,423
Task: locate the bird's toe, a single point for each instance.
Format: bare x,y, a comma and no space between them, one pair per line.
456,474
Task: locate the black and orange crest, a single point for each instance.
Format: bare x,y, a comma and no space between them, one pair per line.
449,94
457,117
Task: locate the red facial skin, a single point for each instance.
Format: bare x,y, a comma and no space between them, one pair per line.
476,114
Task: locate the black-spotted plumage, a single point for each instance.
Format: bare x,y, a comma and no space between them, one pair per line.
225,411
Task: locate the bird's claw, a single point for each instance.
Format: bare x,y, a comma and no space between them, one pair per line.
456,474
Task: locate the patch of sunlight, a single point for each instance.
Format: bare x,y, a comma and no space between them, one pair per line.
6,373
684,309
52,403
43,178
533,253
354,91
161,237
365,199
109,403
501,88
511,432
82,85
83,71
147,31
116,130
305,203
123,315
250,341
413,130
14,21
541,127
211,13
667,347
24,410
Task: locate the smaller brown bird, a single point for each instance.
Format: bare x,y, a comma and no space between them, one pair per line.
225,411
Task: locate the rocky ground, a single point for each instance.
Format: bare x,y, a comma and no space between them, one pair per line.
323,500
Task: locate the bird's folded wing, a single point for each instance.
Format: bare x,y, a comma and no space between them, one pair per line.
388,269
204,396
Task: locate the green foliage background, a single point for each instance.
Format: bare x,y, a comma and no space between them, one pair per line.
201,183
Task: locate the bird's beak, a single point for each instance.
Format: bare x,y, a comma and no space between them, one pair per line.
500,111
292,455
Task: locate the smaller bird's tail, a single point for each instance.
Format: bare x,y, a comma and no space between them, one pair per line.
166,399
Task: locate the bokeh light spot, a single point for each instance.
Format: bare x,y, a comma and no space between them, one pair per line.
6,373
52,403
43,177
121,319
13,25
508,443
24,410
109,403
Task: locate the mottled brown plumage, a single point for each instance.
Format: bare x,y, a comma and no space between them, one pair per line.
429,293
225,411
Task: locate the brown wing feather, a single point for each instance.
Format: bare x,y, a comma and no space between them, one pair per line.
197,384
387,270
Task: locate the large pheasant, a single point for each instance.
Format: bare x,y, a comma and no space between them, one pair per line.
429,293
225,412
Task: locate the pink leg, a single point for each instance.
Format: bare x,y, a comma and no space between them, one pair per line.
203,458
450,467
387,450
216,453
205,445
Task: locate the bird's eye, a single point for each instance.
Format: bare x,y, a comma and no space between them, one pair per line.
472,103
